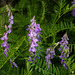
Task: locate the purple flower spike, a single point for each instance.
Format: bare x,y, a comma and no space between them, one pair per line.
73,11
5,44
33,29
10,20
64,49
50,55
4,38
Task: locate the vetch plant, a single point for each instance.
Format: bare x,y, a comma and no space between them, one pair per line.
10,20
53,24
50,54
64,49
34,29
5,44
5,38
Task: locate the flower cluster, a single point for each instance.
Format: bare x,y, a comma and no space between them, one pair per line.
50,55
5,44
4,38
73,11
64,49
34,29
10,20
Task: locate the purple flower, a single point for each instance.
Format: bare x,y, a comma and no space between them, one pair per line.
33,29
5,44
4,38
64,49
73,11
10,20
50,55
13,63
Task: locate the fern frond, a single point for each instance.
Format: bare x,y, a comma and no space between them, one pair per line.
61,26
40,66
44,10
14,49
72,47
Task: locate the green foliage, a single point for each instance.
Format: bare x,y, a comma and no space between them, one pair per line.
71,64
39,66
17,71
15,49
52,23
72,47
